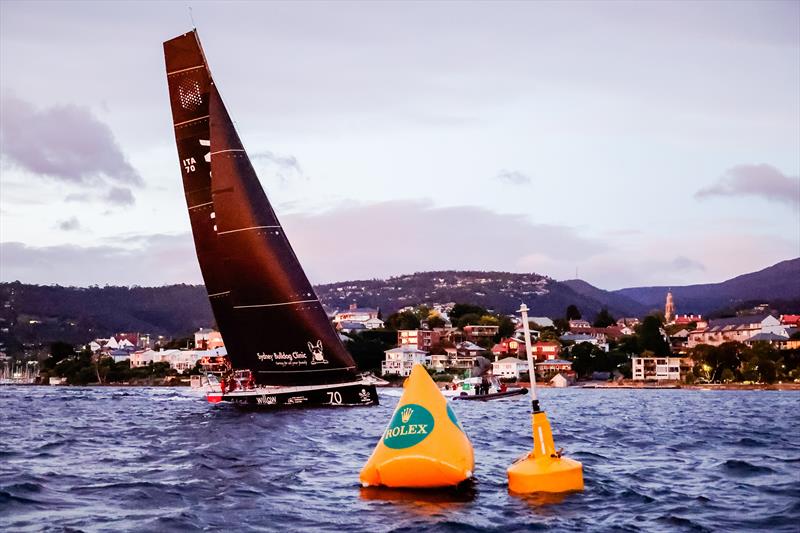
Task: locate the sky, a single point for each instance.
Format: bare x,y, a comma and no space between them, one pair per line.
627,143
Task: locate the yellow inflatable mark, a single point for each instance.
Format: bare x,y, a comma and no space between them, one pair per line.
544,469
423,446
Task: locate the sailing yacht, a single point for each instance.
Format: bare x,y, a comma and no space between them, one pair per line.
282,349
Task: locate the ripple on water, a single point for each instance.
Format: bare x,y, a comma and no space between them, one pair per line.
741,468
163,460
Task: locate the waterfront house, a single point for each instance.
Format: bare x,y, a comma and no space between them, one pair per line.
475,332
735,329
373,323
508,346
207,339
119,355
576,326
439,361
659,368
184,360
143,358
630,322
779,341
509,367
111,343
553,366
130,337
685,320
125,344
577,338
559,381
544,350
346,326
423,339
790,320
465,354
400,360
357,314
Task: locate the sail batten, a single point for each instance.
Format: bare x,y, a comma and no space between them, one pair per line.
270,317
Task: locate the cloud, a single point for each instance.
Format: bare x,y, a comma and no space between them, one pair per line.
364,241
763,181
66,143
71,224
287,166
361,241
148,260
120,196
684,264
349,242
513,177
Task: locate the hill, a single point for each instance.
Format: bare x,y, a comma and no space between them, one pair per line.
32,314
624,305
501,292
778,282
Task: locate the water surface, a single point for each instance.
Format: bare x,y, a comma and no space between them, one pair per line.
161,459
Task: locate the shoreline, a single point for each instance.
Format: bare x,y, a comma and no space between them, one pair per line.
579,385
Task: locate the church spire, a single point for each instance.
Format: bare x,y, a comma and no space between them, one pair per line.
669,308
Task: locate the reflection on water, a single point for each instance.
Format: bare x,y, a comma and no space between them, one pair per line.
164,460
441,497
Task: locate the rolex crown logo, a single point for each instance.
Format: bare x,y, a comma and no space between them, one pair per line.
406,414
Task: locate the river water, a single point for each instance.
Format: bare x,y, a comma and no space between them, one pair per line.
161,459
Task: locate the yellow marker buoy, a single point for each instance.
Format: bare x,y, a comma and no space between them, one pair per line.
544,469
423,446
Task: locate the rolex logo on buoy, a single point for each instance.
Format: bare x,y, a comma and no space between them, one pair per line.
409,426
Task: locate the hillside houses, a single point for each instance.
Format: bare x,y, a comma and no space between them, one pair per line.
740,329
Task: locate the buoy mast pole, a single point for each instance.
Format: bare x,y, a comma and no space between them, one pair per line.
523,309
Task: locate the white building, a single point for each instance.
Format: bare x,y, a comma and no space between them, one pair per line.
440,361
182,360
373,323
509,367
542,321
125,344
144,358
559,381
465,354
657,368
400,360
598,340
357,314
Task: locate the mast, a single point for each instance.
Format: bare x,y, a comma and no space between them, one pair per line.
268,313
189,81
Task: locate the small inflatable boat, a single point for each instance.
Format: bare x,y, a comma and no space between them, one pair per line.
470,389
493,395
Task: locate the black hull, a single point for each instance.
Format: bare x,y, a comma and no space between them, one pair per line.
495,396
341,395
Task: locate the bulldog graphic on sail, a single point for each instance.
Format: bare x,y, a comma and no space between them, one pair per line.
273,325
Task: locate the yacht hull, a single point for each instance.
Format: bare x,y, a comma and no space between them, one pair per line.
334,395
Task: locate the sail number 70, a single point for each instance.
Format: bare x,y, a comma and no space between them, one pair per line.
335,398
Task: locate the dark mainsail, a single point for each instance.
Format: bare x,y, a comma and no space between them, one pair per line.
268,313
